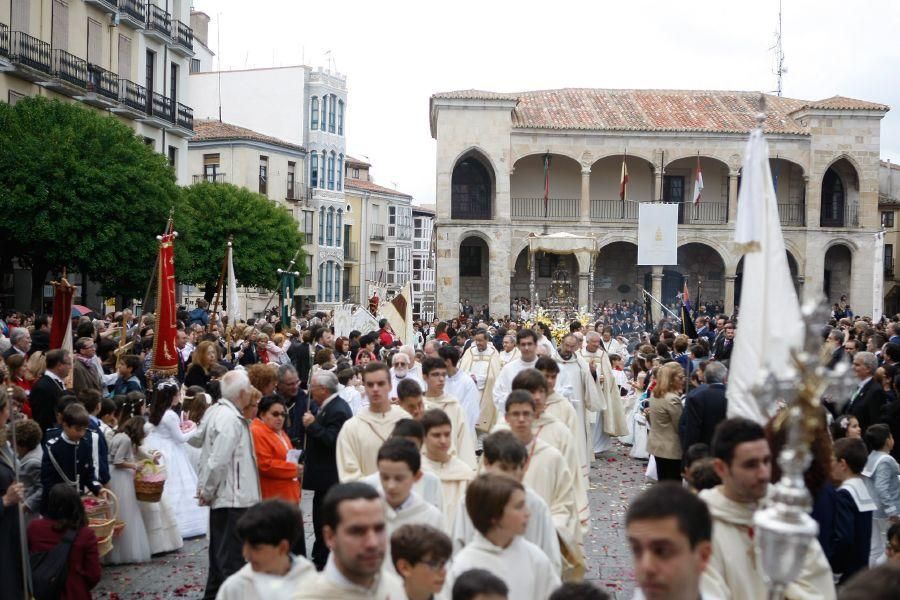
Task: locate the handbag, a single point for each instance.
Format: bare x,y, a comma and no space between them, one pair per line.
50,568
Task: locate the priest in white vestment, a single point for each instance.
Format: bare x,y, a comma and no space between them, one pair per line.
611,422
482,362
400,371
509,351
526,341
575,383
459,384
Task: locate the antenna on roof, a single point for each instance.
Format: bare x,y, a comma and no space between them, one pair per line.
780,69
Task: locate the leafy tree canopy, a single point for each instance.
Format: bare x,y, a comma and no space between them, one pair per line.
265,236
80,190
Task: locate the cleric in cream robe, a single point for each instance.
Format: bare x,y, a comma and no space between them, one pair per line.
482,362
556,405
611,422
575,383
526,341
463,441
459,384
401,370
362,435
509,351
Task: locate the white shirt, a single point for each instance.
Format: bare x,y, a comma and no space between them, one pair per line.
461,387
503,385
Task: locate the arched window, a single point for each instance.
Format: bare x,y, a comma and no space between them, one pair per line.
329,282
331,171
329,228
321,281
834,200
471,189
337,283
314,113
332,120
340,117
314,169
321,225
338,227
324,121
340,172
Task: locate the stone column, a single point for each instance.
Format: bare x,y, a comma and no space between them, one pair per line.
585,195
729,294
532,281
583,283
800,281
658,184
656,289
591,277
732,196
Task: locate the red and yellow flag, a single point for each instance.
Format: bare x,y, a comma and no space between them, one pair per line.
165,354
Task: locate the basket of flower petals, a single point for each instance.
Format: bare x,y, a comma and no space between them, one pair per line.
149,480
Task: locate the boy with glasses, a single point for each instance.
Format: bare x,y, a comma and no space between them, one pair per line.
420,554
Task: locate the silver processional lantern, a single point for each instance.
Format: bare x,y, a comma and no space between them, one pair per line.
784,528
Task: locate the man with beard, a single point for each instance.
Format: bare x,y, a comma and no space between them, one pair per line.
482,362
611,418
526,341
355,532
577,385
400,370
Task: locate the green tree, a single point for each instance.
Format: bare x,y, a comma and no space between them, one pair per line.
79,189
265,237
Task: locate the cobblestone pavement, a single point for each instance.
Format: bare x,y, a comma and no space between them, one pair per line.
615,480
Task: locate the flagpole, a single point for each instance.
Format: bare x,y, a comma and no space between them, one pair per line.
291,264
214,316
170,223
663,306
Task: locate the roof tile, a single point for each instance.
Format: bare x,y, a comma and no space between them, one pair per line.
211,130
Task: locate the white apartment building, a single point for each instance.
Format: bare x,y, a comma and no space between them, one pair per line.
126,58
307,108
423,263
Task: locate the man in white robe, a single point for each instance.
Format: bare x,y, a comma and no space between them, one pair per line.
362,435
463,441
400,370
482,362
576,384
611,421
526,341
612,345
509,351
459,384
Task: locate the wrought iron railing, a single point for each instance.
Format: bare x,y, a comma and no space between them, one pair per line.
377,231
183,34
159,20
792,214
184,116
103,82
555,209
30,51
848,217
162,107
706,213
4,40
132,8
132,95
614,210
210,178
351,251
70,68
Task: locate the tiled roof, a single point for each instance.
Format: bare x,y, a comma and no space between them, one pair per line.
212,130
368,186
656,110
352,161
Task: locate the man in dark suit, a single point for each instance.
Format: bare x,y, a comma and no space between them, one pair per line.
704,408
867,402
301,357
724,344
295,401
48,389
320,463
20,341
40,337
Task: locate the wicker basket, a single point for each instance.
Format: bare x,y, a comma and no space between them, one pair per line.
105,545
148,491
102,518
118,527
102,527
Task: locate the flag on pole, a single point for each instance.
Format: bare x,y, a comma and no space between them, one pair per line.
288,285
546,184
698,183
398,312
165,355
61,325
231,294
687,323
770,310
623,185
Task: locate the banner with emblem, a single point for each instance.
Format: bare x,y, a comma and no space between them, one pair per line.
657,234
165,355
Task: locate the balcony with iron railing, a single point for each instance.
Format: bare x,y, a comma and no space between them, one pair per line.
210,178
4,41
184,118
297,191
614,210
703,213
556,209
132,98
69,70
132,12
376,232
33,54
182,38
888,267
841,216
792,214
351,252
108,6
159,23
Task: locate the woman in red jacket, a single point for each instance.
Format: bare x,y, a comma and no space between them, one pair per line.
65,513
278,478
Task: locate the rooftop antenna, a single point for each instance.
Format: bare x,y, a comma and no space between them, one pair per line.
780,69
219,48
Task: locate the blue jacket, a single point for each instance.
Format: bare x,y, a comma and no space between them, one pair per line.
75,460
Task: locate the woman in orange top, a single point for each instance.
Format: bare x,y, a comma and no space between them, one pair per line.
278,478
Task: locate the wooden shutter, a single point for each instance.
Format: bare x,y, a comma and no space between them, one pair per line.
59,35
124,57
20,16
94,42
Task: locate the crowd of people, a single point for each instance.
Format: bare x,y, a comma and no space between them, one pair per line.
455,464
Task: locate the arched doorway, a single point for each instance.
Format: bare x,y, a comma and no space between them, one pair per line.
474,271
840,195
739,280
472,188
838,268
617,274
546,265
698,264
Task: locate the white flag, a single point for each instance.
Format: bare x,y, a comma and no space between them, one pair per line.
769,323
698,183
878,277
231,297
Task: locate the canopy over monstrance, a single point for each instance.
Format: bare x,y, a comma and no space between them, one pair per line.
584,248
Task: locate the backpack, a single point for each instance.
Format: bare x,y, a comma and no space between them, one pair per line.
49,568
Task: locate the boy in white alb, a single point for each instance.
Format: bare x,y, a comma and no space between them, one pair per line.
463,441
399,467
454,474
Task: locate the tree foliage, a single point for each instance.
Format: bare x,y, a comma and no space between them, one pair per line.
79,189
265,236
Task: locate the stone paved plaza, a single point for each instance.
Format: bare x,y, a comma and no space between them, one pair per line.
615,480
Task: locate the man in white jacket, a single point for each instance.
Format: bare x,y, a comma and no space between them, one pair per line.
228,481
742,461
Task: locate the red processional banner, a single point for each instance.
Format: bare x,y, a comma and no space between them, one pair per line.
165,355
61,325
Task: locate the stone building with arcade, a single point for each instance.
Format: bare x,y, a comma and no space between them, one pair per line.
494,151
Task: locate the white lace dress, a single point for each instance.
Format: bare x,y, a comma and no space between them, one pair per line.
180,490
132,545
159,519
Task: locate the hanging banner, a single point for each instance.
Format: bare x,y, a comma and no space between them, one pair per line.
165,356
657,234
878,277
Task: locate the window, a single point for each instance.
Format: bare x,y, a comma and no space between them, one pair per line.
332,121
323,125
195,65
392,221
887,219
470,261
321,225
314,170
392,260
59,34
338,227
263,174
307,260
340,172
292,167
321,295
173,156
340,117
94,41
307,218
331,171
124,57
314,113
173,84
329,228
355,173
14,97
210,167
149,141
329,281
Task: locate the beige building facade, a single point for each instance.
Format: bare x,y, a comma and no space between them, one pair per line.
491,155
